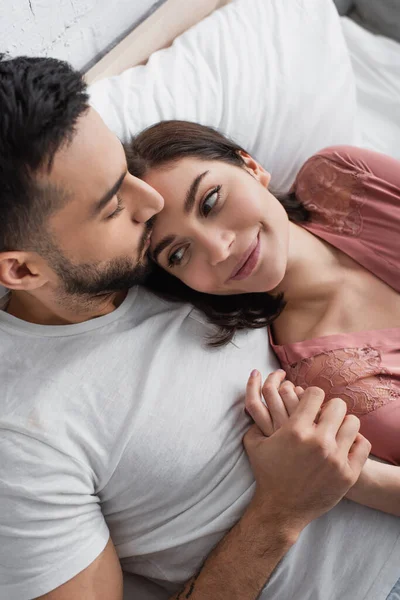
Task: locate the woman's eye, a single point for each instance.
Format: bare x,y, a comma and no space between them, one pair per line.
176,257
210,201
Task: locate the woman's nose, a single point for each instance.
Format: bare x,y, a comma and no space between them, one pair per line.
145,200
218,246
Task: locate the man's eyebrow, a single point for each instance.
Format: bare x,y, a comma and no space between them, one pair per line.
191,193
102,203
166,241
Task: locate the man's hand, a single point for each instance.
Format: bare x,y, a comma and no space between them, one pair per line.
302,470
312,459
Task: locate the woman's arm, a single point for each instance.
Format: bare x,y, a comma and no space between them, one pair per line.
378,487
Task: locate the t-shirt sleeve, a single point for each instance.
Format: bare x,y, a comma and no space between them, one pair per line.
51,525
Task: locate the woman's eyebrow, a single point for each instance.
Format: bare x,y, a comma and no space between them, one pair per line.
190,200
166,241
191,193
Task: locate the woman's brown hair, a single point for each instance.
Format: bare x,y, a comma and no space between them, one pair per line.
166,143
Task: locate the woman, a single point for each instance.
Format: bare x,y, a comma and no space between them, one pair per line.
320,267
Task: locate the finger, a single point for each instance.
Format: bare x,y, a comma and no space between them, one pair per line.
277,409
255,406
275,404
252,437
332,416
299,391
309,406
289,396
347,433
359,453
276,378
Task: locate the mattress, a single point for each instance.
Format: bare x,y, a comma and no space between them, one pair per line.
376,64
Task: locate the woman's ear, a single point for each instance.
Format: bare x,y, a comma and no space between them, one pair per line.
20,271
255,169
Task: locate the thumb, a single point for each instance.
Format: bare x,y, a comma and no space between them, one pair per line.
252,437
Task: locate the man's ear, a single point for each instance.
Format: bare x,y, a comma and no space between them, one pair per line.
21,271
255,169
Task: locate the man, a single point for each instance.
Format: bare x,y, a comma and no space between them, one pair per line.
116,420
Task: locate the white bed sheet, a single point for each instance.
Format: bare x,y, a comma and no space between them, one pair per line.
376,64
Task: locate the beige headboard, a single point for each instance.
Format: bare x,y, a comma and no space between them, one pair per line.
158,31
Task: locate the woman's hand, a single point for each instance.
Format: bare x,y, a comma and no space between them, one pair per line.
281,400
313,458
378,485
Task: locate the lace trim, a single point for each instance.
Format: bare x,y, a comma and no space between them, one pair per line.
333,195
353,374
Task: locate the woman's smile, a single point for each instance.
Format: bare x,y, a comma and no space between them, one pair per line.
232,239
248,262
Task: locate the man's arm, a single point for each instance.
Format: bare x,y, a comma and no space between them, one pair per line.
102,580
237,568
242,562
301,472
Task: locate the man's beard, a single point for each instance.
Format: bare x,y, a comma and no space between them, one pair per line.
88,280
94,280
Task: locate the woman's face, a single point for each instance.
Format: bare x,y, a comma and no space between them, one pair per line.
221,231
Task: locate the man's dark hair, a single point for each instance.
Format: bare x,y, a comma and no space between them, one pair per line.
41,100
166,143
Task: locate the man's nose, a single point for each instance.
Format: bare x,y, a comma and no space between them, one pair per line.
146,201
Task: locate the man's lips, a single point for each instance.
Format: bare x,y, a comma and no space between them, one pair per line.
144,246
248,262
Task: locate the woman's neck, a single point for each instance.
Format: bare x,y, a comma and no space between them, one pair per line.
313,269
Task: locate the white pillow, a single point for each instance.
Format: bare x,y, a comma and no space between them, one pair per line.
273,74
376,65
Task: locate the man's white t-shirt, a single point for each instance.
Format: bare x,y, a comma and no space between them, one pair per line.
129,425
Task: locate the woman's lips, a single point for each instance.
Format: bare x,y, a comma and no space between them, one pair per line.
248,262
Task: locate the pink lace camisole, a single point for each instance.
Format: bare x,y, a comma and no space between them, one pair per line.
353,196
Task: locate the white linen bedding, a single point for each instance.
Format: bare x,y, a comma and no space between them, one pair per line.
376,64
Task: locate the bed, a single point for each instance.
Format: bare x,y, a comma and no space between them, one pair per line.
370,117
